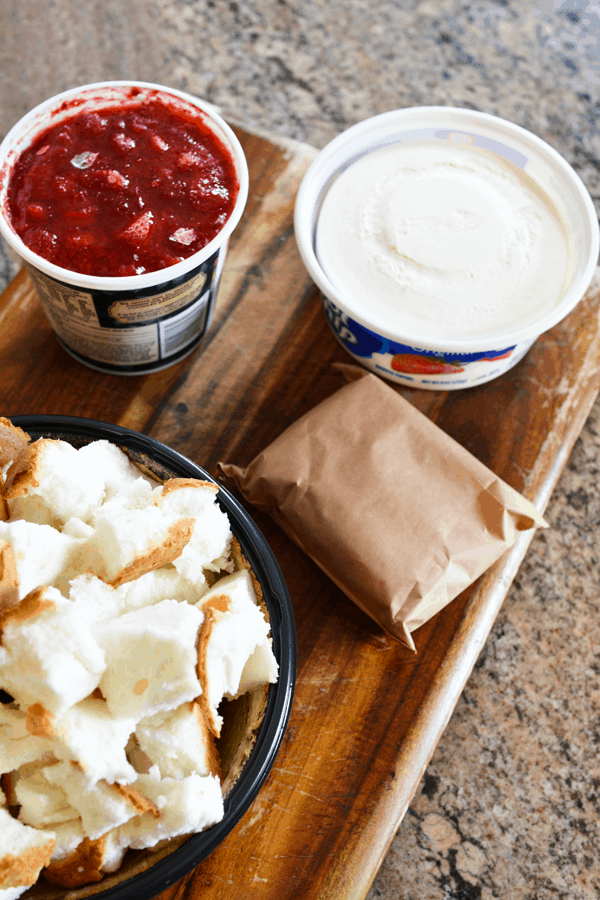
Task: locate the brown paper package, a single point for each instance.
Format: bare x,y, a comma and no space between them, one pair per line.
395,512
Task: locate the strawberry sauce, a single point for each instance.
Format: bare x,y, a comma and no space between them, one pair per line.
124,190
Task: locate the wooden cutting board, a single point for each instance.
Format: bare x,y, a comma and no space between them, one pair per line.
367,713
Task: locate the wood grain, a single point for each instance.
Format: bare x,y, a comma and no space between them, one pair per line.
367,713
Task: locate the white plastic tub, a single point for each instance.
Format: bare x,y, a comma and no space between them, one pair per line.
134,324
417,359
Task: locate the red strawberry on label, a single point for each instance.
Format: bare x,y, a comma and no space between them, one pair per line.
423,365
495,358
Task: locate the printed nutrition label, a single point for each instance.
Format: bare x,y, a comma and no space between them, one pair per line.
130,332
65,302
180,330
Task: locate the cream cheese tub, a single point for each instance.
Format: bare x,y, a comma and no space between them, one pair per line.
444,242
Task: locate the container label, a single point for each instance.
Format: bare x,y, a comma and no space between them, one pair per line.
430,369
144,309
133,331
65,302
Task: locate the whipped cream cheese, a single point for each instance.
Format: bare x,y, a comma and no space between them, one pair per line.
443,240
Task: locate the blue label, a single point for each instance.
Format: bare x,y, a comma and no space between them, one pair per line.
364,343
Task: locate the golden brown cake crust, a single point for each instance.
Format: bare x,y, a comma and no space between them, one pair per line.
8,786
27,477
17,871
9,579
140,803
212,616
31,606
4,508
175,540
213,758
39,721
83,866
175,484
14,444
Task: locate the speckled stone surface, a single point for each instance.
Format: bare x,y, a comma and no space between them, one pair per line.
509,806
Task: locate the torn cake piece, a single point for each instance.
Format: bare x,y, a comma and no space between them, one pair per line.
47,652
151,659
234,626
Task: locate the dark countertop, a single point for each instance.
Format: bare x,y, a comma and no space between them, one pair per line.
509,805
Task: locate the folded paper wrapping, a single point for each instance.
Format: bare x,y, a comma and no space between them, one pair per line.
395,512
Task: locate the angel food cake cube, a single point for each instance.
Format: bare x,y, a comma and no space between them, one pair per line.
260,669
24,851
88,734
56,485
208,547
234,626
185,806
18,746
41,552
101,603
151,659
43,805
68,836
113,466
47,652
179,742
97,601
102,806
80,860
173,808
165,583
132,536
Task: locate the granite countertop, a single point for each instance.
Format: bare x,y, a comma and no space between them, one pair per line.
509,805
